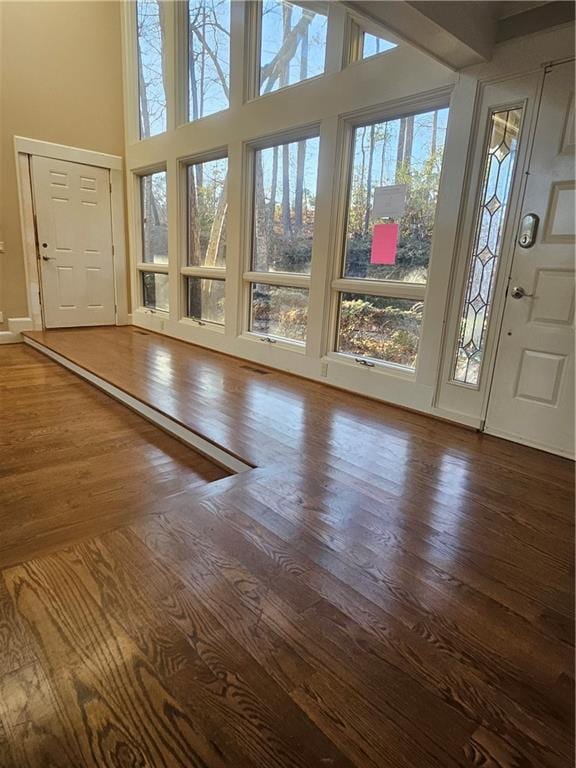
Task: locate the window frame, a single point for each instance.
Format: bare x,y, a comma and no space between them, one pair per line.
384,288
184,269
356,28
141,265
250,275
255,22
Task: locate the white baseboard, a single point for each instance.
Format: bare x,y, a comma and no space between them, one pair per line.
7,337
174,428
19,324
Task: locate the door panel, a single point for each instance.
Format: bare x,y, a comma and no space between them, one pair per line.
73,214
532,395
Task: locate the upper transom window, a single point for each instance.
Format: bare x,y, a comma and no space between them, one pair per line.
293,43
208,57
151,31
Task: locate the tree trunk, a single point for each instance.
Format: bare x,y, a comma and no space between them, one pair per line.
286,219
301,156
261,232
272,204
409,140
194,254
400,148
434,133
217,226
192,70
162,19
369,181
144,113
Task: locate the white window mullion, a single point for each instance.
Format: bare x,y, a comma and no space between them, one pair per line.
238,229
174,242
323,249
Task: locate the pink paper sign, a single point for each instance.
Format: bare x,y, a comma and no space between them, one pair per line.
384,244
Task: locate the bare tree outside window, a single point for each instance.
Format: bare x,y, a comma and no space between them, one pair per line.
207,206
293,44
154,218
208,57
151,31
284,206
404,151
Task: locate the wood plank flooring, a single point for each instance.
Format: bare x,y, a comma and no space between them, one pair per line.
384,590
71,458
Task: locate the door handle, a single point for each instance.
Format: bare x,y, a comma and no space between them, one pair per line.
519,293
48,258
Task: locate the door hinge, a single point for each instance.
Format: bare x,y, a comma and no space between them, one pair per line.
113,249
110,185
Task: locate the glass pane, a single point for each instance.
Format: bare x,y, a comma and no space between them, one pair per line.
380,328
154,218
208,57
372,45
293,44
279,311
151,30
155,290
390,239
206,300
284,206
489,230
207,206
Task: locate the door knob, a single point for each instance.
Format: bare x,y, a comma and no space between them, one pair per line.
519,293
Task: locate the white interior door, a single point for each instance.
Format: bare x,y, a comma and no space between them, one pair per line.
532,395
74,227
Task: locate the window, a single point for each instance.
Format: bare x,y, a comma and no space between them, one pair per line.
207,206
208,57
155,290
205,300
379,328
154,218
284,204
153,263
374,44
205,270
498,174
293,43
285,181
395,172
151,33
395,175
279,311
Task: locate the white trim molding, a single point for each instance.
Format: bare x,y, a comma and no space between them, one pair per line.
24,149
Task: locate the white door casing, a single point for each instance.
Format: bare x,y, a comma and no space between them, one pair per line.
532,395
74,228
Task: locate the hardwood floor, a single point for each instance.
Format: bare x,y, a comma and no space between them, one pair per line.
73,460
383,590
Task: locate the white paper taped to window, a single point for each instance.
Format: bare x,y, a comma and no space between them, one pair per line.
390,201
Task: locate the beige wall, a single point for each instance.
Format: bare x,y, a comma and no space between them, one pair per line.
61,81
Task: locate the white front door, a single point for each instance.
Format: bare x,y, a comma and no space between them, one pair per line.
74,228
532,395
